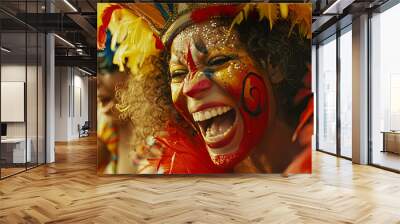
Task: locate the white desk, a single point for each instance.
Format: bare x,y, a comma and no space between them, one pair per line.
17,146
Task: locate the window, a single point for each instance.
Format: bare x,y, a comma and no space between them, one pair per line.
385,89
346,93
22,77
327,96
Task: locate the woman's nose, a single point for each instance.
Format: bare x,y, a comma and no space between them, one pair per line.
197,86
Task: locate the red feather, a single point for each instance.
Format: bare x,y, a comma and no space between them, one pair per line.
183,153
159,44
105,18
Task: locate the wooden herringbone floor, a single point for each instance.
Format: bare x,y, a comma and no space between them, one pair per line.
69,191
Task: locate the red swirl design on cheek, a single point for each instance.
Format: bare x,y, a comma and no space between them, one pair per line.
254,111
253,94
253,108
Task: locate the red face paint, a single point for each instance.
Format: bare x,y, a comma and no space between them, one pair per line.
235,83
181,102
190,62
253,99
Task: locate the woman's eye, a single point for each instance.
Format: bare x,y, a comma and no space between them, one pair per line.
218,60
179,74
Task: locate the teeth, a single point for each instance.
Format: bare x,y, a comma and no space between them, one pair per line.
213,134
210,113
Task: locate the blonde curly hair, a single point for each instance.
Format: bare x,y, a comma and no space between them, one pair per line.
146,100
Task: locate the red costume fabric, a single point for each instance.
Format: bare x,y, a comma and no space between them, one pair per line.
183,154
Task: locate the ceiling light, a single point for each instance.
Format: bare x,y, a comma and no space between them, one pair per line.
331,7
337,7
84,71
65,41
70,5
5,50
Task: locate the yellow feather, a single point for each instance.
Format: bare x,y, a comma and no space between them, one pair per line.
237,20
284,10
134,39
241,16
268,11
301,16
297,14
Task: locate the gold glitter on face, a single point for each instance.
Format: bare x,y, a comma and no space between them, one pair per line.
212,34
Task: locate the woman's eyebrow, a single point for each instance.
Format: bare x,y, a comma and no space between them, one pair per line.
200,45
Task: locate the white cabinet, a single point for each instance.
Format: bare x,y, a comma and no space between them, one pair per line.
16,147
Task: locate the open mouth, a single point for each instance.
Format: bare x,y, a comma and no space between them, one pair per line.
217,125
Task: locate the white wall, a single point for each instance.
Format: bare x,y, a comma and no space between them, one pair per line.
71,94
61,103
80,110
33,127
13,73
16,73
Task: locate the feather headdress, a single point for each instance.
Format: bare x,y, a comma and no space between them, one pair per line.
140,30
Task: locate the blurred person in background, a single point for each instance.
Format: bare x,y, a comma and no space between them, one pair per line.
114,134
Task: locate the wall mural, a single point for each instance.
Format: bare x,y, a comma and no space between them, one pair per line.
189,88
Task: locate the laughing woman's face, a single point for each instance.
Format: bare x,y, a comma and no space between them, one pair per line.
217,87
